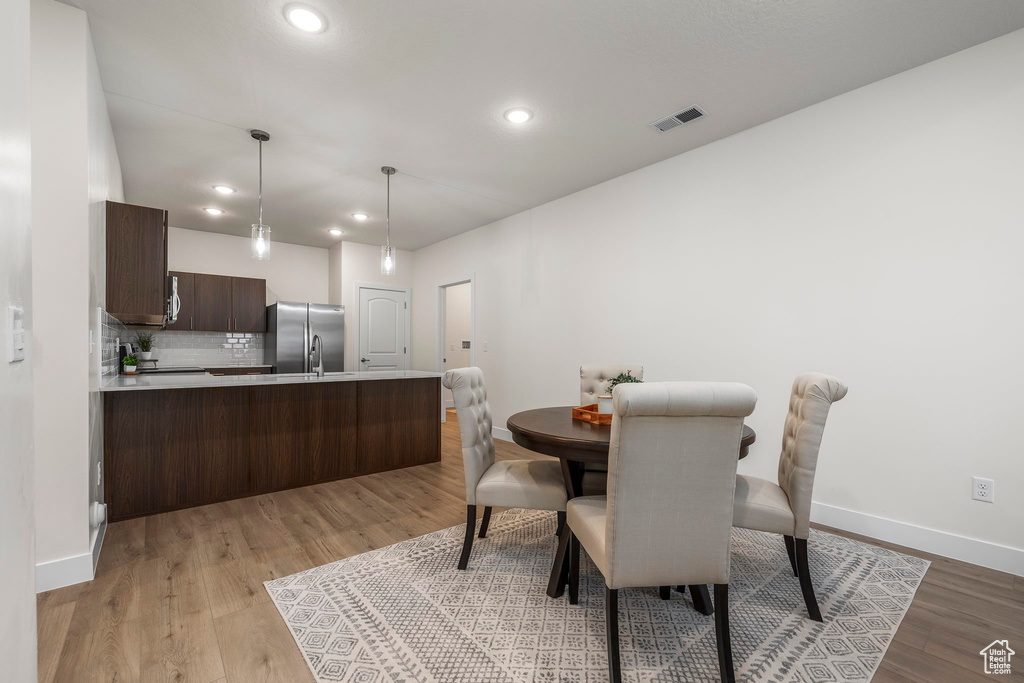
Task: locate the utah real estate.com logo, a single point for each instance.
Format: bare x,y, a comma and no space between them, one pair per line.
997,657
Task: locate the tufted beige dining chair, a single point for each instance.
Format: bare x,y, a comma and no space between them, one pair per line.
667,518
594,379
785,508
594,383
530,484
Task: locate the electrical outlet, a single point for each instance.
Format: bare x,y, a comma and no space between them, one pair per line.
99,473
485,346
984,490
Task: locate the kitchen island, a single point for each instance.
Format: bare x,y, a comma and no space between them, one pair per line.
178,441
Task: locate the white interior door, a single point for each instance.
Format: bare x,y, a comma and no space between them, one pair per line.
382,344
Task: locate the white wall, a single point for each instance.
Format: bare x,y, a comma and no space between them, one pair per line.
74,169
876,236
293,273
334,276
360,263
105,183
17,568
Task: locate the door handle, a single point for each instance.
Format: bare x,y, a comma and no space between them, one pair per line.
364,360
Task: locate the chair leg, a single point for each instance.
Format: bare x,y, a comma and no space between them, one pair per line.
722,633
485,522
665,592
805,580
611,613
561,523
701,599
681,589
574,568
467,544
791,550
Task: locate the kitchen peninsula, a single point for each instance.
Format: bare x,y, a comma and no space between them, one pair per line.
178,441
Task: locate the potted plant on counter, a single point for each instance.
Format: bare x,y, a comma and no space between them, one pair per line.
604,403
130,363
144,340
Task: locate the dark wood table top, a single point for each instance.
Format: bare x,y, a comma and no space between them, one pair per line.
552,431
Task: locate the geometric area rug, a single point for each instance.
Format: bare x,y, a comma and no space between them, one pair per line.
405,613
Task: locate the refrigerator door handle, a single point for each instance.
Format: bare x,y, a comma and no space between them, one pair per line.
305,347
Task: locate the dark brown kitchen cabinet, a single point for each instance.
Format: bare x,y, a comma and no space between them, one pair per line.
248,304
220,303
136,246
186,295
212,303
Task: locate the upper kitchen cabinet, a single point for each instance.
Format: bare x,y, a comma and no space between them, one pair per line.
187,297
248,304
220,303
213,303
136,264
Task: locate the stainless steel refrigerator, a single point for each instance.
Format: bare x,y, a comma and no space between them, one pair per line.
290,329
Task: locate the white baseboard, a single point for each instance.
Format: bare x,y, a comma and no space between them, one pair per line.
971,550
501,433
449,403
71,570
97,544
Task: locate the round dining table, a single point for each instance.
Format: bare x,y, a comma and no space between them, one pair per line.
554,432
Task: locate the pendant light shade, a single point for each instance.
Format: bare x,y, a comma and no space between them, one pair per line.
387,260
260,232
388,257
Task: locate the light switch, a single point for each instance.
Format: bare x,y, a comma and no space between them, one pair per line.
16,332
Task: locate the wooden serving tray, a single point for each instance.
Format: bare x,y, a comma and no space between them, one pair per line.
588,413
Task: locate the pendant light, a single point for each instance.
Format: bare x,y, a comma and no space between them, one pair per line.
387,252
260,232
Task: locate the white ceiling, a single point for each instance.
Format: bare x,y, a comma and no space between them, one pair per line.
422,86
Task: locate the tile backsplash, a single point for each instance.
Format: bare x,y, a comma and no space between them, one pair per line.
112,329
208,349
205,349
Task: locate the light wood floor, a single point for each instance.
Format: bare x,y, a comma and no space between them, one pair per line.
179,597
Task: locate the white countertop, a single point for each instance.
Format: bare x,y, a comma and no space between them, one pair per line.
186,381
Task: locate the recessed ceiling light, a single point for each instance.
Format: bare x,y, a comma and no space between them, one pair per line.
305,18
360,216
518,115
213,212
224,189
335,232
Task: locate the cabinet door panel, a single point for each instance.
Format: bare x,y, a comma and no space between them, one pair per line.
415,405
302,434
172,449
187,294
213,303
249,304
136,246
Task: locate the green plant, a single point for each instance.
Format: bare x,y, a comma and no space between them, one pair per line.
144,340
623,378
130,359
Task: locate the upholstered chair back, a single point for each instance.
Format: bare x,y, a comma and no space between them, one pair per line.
594,379
470,394
671,478
813,394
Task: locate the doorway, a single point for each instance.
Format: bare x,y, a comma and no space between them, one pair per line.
383,335
456,329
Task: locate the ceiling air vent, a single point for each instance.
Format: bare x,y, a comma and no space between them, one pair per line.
678,119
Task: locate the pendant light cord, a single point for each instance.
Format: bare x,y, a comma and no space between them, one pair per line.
261,183
389,213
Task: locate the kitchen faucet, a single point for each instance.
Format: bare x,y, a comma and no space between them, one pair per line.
316,344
